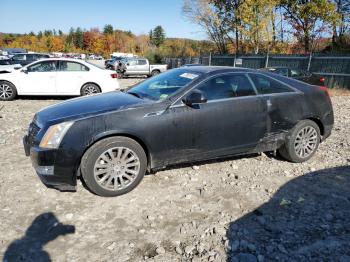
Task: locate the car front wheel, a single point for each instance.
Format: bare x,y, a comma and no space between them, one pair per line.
302,142
7,91
113,166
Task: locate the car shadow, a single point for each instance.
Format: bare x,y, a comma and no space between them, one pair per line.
307,219
44,228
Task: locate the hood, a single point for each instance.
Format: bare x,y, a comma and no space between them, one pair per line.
86,106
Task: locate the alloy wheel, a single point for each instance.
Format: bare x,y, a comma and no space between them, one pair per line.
116,168
90,90
306,141
5,91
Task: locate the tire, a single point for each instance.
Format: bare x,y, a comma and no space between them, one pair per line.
90,89
8,91
107,175
302,142
155,72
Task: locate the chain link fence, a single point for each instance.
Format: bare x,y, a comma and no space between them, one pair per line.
335,68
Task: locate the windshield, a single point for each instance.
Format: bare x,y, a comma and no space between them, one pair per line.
164,85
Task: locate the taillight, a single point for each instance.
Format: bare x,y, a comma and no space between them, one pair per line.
324,88
114,75
322,79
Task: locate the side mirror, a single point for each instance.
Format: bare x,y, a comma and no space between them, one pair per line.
196,97
24,70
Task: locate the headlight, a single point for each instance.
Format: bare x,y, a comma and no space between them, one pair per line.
54,135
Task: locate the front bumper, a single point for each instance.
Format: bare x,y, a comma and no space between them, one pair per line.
44,163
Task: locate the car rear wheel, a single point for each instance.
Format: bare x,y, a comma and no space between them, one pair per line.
90,89
113,166
155,72
8,91
302,142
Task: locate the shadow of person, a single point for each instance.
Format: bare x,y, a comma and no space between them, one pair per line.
308,219
43,229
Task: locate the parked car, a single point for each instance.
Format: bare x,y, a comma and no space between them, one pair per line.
116,62
95,57
57,76
6,66
140,66
27,58
298,74
182,115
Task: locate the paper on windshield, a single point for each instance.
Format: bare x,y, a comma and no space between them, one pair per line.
189,75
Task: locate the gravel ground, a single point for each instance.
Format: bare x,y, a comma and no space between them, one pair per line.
254,208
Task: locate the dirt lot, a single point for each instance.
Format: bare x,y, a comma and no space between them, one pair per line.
255,208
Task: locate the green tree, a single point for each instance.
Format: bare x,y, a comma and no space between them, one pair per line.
78,38
108,29
47,32
150,35
158,36
69,42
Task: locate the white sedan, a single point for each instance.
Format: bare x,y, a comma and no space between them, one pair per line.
57,76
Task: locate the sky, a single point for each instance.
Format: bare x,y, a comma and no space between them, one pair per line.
138,16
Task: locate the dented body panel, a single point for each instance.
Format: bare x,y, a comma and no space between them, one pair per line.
172,132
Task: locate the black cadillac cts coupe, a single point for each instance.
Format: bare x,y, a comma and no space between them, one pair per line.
182,115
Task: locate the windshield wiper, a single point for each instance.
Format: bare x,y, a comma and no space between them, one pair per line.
135,94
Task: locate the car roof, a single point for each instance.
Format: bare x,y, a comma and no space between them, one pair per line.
62,59
213,69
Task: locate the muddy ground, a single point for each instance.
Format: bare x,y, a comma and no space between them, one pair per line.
253,208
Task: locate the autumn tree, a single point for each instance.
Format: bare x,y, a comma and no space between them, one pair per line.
203,13
229,13
309,18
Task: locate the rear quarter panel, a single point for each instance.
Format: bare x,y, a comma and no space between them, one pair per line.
315,103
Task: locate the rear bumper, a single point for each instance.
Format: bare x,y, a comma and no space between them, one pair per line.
44,163
327,131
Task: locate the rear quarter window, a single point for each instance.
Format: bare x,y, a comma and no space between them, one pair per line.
268,85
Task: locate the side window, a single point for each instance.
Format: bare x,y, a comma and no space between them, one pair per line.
227,86
296,73
31,57
19,57
142,62
46,66
267,85
72,66
132,62
281,71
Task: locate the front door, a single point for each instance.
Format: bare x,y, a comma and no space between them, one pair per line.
39,78
233,120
